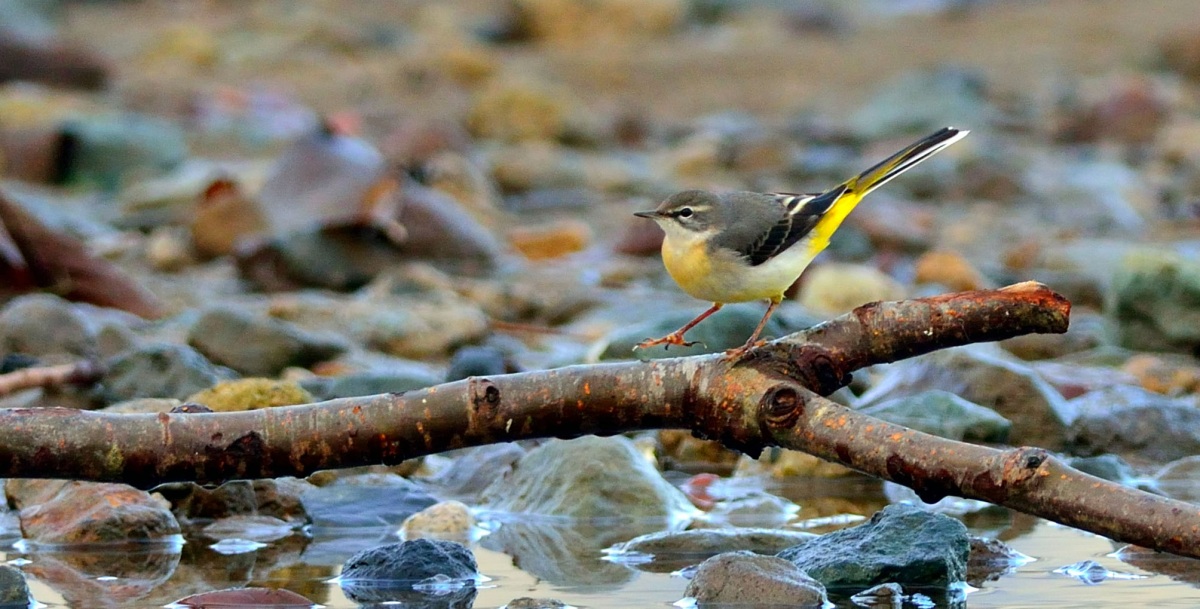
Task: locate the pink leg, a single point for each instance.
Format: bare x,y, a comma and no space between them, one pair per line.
753,342
676,337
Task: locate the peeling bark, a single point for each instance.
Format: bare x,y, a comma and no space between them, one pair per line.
769,397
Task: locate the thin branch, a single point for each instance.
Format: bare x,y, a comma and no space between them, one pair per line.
79,373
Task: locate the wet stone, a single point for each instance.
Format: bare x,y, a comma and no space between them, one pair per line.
745,577
444,520
943,414
14,591
1136,424
688,546
990,559
369,500
389,572
84,512
43,324
1153,302
589,477
475,469
900,544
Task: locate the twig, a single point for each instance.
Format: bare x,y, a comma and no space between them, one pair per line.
79,373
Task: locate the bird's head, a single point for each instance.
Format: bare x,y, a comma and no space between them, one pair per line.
686,214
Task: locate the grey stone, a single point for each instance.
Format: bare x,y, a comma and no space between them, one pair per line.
1155,302
44,324
388,572
159,370
526,602
990,559
368,500
258,346
589,477
14,591
474,469
681,548
478,361
920,101
943,414
987,376
900,543
1108,466
725,329
367,383
1136,424
745,577
107,149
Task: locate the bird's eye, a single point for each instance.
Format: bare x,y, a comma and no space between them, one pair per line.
685,212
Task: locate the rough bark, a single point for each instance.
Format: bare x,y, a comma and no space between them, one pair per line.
769,397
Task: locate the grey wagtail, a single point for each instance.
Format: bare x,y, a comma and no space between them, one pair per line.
743,246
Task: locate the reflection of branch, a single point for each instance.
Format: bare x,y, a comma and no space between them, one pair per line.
766,398
82,373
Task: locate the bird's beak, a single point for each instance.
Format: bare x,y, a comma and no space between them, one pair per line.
646,214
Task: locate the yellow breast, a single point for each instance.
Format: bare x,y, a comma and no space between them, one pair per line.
724,277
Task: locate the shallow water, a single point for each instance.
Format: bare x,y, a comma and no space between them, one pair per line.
565,563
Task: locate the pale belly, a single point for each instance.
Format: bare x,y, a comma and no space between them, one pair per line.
724,280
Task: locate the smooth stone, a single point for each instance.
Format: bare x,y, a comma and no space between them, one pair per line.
159,370
1180,479
106,149
920,101
1153,302
14,590
88,512
475,469
259,346
943,414
367,383
588,477
526,602
44,324
191,501
251,394
990,559
987,376
836,288
1136,424
485,360
251,527
1107,466
690,544
748,578
1096,197
900,543
443,520
389,572
368,500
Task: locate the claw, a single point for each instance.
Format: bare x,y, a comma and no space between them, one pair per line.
674,338
738,353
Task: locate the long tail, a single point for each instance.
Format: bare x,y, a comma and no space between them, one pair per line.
841,199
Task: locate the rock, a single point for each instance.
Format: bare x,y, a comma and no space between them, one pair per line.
477,468
883,596
521,111
88,512
369,500
194,502
143,405
108,150
415,329
725,329
1135,424
1180,479
244,597
159,370
43,324
901,544
1164,374
251,394
14,591
550,240
222,216
681,548
748,578
990,559
258,346
526,602
567,24
984,375
784,463
249,527
755,509
487,360
836,288
1107,466
680,448
465,180
444,520
943,414
1132,113
1153,302
921,101
389,572
169,250
589,477
281,498
950,269
1096,197
537,166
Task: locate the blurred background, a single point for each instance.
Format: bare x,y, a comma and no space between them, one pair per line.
388,195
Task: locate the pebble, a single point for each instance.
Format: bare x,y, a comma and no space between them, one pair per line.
836,288
552,240
89,512
389,572
753,579
158,370
1139,425
943,414
257,345
443,520
950,269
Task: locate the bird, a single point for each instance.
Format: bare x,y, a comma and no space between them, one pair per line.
746,246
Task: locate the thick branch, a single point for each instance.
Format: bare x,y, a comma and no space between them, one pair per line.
1029,480
762,399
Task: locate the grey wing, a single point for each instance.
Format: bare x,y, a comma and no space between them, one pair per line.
802,213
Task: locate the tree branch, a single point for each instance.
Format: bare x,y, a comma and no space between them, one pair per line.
766,398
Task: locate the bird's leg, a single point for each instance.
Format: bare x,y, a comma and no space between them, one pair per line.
753,341
676,337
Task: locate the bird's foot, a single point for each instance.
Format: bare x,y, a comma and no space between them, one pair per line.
737,353
674,338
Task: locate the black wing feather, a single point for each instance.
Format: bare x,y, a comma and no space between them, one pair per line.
803,212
